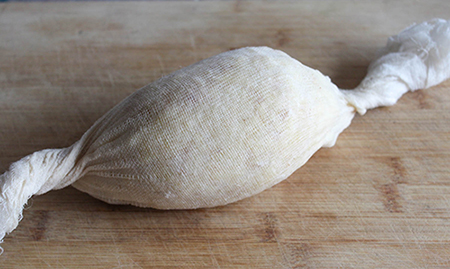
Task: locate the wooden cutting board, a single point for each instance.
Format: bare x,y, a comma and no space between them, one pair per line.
379,199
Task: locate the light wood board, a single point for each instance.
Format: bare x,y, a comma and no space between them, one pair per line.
379,199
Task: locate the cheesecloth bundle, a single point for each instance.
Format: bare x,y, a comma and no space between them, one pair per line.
222,129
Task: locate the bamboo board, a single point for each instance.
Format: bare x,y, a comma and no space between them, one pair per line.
378,199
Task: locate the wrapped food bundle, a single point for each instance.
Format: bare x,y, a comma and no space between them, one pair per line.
223,129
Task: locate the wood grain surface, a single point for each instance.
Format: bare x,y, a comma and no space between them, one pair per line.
379,199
